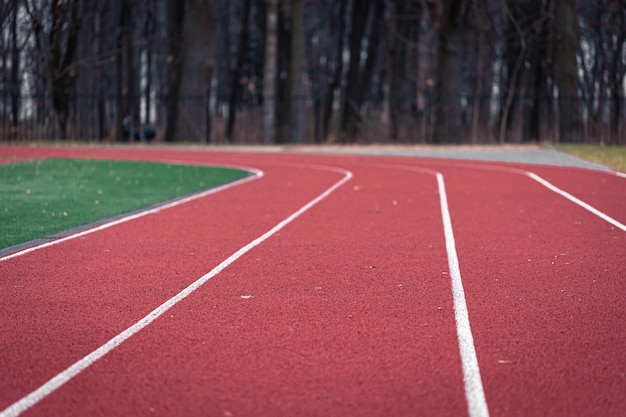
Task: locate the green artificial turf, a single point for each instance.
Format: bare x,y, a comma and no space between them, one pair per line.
43,197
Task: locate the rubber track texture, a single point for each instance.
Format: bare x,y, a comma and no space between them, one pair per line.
346,312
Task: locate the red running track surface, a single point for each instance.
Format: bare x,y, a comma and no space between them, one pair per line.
346,311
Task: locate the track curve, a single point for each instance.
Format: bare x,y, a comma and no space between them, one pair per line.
345,311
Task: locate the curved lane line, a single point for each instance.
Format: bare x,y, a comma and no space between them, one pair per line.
474,391
550,187
256,174
477,405
577,201
60,379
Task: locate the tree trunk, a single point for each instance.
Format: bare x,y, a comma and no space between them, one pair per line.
373,46
176,14
296,72
505,122
149,33
14,84
478,86
516,47
100,23
57,47
196,72
269,73
334,78
397,46
283,86
566,71
448,119
124,67
538,85
350,112
65,74
617,82
237,71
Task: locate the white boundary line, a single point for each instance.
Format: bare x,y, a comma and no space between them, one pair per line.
550,187
577,201
472,381
256,175
60,379
474,392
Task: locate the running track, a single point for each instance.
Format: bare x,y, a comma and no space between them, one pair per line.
347,308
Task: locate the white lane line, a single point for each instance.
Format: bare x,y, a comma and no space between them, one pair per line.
56,382
256,175
577,201
550,187
474,392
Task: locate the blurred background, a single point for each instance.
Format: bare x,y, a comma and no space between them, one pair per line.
313,71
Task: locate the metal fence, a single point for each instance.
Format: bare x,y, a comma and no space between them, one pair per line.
404,119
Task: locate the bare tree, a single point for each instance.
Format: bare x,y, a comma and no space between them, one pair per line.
617,73
125,67
196,71
55,27
403,22
400,70
14,80
566,70
236,73
448,118
364,38
269,73
526,24
175,16
333,67
150,34
297,70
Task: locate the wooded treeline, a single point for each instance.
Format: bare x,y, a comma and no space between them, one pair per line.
314,71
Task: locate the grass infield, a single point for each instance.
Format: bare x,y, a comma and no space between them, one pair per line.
40,198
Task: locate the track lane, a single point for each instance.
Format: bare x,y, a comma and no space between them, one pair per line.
603,190
503,330
544,280
337,324
87,290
